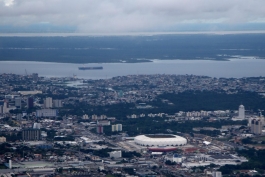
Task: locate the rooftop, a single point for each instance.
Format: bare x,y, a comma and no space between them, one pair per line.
160,136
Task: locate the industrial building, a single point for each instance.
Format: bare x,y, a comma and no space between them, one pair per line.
174,158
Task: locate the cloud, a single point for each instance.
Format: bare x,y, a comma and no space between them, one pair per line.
130,15
7,2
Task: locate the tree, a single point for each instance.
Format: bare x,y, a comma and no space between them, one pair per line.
168,162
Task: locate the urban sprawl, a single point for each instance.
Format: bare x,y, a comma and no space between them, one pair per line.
128,126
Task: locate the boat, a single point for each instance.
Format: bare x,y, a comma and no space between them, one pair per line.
90,67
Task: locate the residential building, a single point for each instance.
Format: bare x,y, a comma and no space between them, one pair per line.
5,107
31,135
36,126
35,76
1,109
19,116
100,129
103,116
217,174
85,116
2,139
115,154
48,102
30,102
47,113
94,117
256,126
241,112
57,103
18,102
103,122
116,128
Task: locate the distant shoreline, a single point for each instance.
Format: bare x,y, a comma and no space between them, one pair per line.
124,61
130,62
129,34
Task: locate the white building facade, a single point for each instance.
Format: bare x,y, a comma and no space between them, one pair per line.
241,112
47,113
48,102
115,154
116,128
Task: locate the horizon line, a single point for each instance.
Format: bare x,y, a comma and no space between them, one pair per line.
63,34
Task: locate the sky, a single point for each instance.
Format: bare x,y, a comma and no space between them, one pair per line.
121,16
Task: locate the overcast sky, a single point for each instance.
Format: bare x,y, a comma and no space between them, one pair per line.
115,16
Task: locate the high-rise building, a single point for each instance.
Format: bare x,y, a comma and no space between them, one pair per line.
31,135
18,102
5,107
57,103
85,116
10,164
119,127
47,113
36,126
19,117
241,112
115,154
94,117
1,109
256,126
2,139
217,174
116,128
30,102
103,122
48,102
103,116
99,129
35,76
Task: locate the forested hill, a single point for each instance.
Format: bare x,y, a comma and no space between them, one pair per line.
210,100
107,49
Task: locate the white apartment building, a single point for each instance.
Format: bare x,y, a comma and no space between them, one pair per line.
116,128
2,139
115,154
46,113
48,102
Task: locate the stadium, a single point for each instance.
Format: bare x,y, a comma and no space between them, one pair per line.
160,140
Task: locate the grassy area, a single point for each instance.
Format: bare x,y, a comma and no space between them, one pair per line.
261,138
110,175
222,139
2,166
